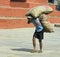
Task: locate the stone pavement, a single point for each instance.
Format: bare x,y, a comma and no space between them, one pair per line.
57,24
18,43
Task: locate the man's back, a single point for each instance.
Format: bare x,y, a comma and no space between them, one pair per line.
37,24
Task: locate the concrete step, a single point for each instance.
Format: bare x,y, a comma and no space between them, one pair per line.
54,20
7,2
11,17
55,13
14,23
35,1
13,11
31,5
29,1
19,4
18,0
53,6
17,22
25,5
20,12
4,2
57,24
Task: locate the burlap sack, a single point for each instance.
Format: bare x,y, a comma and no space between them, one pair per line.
36,11
48,27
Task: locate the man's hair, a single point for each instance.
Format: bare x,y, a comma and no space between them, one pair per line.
31,16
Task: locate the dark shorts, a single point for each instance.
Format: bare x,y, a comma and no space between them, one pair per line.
38,35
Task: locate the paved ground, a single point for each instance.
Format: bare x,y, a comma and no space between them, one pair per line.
57,24
17,43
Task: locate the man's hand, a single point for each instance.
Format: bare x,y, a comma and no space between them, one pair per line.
29,20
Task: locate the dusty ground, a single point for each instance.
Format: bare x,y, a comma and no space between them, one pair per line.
18,43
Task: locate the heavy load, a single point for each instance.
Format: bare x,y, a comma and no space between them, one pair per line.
48,27
37,11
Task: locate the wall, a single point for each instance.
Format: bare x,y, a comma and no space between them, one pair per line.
12,14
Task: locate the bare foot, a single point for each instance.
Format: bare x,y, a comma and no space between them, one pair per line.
34,51
40,51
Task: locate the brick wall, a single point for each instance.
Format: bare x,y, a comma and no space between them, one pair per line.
12,13
4,2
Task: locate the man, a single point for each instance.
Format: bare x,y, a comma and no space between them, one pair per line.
38,32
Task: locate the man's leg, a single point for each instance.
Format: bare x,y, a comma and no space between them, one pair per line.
34,43
40,44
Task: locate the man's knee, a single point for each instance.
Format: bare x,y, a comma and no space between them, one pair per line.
40,40
34,39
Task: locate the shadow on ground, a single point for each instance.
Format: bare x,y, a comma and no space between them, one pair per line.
22,49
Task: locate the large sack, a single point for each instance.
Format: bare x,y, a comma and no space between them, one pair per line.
37,11
48,27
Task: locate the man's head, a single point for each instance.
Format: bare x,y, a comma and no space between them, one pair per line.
29,19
